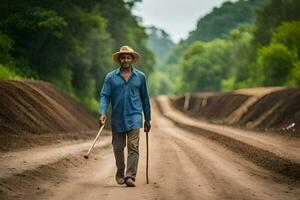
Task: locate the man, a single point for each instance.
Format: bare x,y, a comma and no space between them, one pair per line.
126,89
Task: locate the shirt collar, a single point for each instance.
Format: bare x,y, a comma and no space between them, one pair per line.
132,69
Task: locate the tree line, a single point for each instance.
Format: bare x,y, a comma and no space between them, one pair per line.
241,44
68,42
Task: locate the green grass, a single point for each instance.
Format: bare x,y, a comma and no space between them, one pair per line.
92,104
8,74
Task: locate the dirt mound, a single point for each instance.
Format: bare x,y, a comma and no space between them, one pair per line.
38,108
213,107
270,109
278,110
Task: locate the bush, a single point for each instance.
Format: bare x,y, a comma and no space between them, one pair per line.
8,74
275,63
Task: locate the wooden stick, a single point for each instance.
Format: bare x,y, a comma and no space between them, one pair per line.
87,155
147,158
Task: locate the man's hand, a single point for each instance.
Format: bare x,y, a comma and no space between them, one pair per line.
147,126
102,119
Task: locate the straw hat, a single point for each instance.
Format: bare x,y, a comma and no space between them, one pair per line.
127,50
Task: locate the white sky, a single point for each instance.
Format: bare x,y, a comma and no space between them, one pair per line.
176,17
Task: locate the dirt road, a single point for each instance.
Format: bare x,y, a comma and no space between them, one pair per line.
183,165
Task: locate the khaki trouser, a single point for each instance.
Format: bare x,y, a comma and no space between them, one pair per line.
119,143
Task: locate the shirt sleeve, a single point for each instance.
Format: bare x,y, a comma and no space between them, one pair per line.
145,100
105,95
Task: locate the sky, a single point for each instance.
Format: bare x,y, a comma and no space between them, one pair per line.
176,17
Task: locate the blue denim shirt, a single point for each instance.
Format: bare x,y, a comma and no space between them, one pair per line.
129,99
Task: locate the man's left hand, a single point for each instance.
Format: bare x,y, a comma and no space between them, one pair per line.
147,126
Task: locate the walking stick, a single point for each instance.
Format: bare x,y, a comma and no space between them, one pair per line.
86,156
147,157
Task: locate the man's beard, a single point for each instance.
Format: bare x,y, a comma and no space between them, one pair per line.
126,65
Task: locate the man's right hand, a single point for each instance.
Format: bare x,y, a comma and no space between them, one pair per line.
102,119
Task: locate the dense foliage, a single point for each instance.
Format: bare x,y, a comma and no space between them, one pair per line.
160,43
220,21
239,54
68,43
273,15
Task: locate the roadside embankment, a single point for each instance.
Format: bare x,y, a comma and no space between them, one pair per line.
38,113
273,109
279,153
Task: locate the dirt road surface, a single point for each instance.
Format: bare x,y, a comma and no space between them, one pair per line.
182,165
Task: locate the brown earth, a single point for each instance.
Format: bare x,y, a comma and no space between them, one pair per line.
182,165
189,159
32,112
284,107
273,109
276,152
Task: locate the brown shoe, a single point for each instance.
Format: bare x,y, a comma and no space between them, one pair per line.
120,180
129,182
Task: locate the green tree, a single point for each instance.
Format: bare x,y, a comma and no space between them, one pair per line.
275,63
69,42
240,48
125,28
159,83
220,21
203,66
272,15
278,63
6,45
288,34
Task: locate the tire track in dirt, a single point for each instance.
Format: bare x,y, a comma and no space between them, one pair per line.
207,174
182,165
96,181
28,174
168,173
230,175
13,163
254,147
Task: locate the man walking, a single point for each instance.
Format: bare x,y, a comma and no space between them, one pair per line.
126,89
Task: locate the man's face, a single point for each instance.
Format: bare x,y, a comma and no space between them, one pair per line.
125,60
